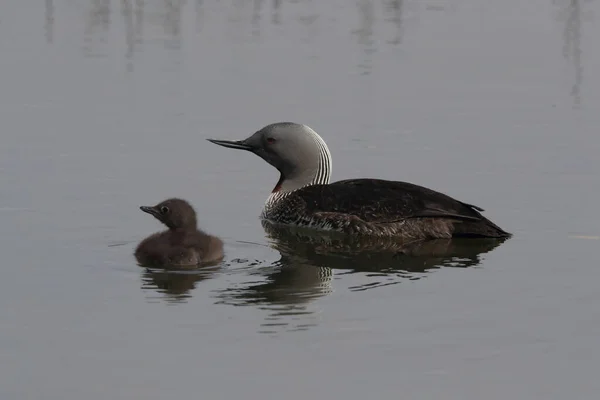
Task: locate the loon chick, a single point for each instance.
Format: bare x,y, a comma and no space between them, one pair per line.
304,197
182,244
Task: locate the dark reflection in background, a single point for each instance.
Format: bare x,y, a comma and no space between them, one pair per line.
365,34
128,17
169,15
199,11
135,14
395,9
571,13
97,25
49,21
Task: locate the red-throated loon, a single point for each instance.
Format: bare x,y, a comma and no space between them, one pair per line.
304,197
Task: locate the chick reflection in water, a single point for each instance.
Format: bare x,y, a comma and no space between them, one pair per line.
175,286
383,258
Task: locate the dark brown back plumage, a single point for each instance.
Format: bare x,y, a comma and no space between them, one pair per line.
378,202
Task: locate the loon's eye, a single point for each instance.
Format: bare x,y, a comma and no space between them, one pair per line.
270,140
164,209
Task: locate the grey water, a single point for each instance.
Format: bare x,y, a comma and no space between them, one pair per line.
105,105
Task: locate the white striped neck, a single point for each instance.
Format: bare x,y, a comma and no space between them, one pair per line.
315,171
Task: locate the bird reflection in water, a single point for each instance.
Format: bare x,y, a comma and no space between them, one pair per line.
285,289
309,258
175,286
385,258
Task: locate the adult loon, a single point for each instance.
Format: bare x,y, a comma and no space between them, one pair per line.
304,197
182,244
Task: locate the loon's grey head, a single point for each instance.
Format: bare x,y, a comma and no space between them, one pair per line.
297,151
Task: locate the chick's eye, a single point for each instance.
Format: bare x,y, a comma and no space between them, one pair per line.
164,209
270,140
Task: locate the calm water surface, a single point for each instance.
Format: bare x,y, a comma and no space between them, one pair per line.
106,105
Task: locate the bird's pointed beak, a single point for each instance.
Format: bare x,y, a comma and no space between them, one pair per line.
149,210
232,144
